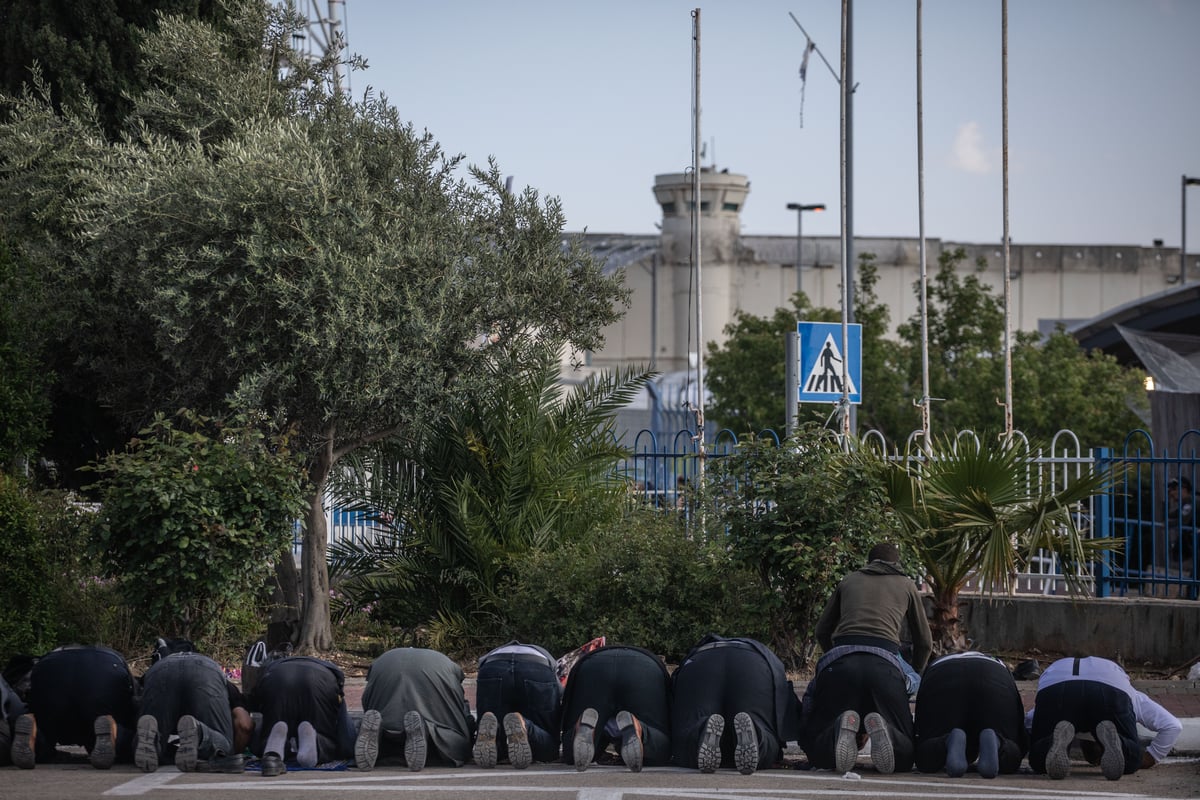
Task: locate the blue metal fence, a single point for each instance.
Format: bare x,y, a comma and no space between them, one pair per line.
1158,526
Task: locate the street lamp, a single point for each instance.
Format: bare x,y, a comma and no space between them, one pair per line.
800,209
1183,237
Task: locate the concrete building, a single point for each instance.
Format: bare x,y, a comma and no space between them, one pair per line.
1051,283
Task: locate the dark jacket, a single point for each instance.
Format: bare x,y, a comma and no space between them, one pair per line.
876,602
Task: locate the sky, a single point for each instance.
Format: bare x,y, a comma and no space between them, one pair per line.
588,101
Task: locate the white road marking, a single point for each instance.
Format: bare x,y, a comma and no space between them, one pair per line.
143,784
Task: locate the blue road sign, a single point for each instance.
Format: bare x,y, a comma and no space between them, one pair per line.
821,361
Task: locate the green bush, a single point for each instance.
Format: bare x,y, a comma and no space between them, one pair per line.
192,518
26,572
800,515
641,582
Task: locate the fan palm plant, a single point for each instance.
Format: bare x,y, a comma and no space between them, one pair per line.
520,466
978,512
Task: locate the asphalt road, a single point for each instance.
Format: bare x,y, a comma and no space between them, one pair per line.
1174,779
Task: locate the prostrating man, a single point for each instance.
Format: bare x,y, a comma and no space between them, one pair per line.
617,695
414,702
969,711
517,686
303,706
81,696
188,693
731,704
1093,695
860,690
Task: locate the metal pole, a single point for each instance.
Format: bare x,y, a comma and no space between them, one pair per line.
844,402
696,248
921,240
848,92
791,370
1008,387
799,239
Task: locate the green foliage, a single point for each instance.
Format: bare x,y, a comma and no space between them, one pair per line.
262,237
26,573
513,467
800,515
1056,384
192,515
972,511
23,402
638,581
747,374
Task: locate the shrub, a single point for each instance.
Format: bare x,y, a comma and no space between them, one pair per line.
640,582
800,515
192,518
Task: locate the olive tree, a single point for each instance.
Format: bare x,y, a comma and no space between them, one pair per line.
264,240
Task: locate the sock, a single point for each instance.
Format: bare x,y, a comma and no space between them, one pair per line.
306,750
277,740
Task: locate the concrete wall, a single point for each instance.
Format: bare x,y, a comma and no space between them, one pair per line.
1128,630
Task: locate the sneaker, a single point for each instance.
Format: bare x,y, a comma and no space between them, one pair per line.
234,764
708,756
988,764
24,741
366,744
272,765
1058,760
414,741
584,746
956,753
188,754
146,753
517,738
485,741
745,753
1112,760
845,751
104,749
631,740
882,754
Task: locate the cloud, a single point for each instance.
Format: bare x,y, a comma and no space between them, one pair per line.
968,153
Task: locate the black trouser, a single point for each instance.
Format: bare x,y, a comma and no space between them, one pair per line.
298,689
614,679
724,679
69,688
864,683
970,694
1085,704
189,684
509,682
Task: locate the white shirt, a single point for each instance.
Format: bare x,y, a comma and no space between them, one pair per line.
1149,714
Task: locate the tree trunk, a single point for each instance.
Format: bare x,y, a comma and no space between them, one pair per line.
316,632
949,635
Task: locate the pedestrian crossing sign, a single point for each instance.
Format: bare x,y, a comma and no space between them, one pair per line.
821,362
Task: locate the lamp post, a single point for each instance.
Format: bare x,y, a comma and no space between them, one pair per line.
1183,235
800,209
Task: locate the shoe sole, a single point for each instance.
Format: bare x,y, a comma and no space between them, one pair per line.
146,754
956,753
708,755
1058,760
631,741
584,746
103,752
1112,760
414,741
883,756
845,750
484,751
366,744
520,755
24,735
188,754
745,753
